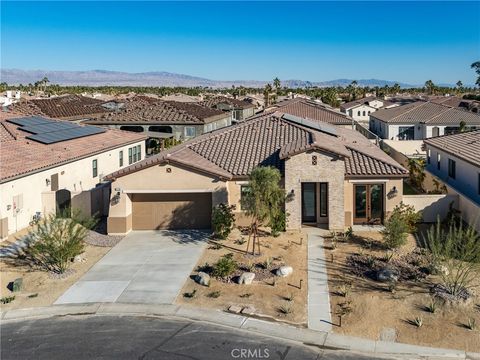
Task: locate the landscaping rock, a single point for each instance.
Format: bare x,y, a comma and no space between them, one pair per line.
79,259
249,310
284,271
235,309
246,278
17,284
387,275
202,278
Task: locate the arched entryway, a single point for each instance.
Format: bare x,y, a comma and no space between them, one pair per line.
63,202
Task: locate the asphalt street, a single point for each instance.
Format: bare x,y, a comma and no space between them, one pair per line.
127,337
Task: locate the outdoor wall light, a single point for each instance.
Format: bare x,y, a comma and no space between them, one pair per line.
47,181
9,207
118,189
394,190
292,191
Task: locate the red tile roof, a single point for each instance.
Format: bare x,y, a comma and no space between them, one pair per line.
267,140
235,103
145,110
61,107
20,156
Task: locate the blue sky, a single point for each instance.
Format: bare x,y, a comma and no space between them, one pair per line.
404,41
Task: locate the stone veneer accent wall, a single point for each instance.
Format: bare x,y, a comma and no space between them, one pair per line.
329,169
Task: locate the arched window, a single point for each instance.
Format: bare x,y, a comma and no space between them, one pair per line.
364,113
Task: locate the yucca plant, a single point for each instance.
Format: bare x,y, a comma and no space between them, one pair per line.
286,308
432,306
472,324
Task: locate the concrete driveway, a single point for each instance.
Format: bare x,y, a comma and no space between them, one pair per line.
145,267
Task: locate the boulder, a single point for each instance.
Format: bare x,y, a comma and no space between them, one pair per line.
249,310
235,309
284,271
246,278
17,285
202,278
387,275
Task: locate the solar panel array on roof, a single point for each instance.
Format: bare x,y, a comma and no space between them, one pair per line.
311,124
48,131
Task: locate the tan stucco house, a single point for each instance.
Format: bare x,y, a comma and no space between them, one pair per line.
336,176
48,164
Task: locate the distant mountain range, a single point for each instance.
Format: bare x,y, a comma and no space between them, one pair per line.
161,78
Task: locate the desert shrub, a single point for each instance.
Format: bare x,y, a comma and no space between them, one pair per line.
456,250
395,232
223,220
417,321
225,266
190,295
57,240
286,308
267,264
409,215
472,324
7,299
278,223
347,235
432,306
214,294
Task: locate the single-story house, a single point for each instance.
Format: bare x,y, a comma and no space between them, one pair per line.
239,109
420,120
313,110
336,176
361,109
163,119
455,159
48,164
458,102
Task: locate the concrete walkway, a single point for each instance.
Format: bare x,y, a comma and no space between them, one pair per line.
145,267
319,314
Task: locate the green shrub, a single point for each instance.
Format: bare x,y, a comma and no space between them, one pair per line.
225,266
395,232
409,215
57,240
7,299
223,220
278,222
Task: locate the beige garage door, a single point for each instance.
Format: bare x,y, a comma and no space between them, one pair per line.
171,211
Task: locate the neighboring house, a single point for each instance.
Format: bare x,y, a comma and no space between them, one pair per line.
181,98
239,109
336,176
66,107
455,159
458,102
10,97
361,109
313,110
420,120
47,164
163,119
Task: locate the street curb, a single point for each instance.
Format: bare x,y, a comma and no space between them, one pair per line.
321,339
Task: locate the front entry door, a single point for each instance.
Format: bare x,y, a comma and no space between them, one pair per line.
309,203
368,204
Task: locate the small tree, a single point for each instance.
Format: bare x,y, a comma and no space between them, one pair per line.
263,201
223,220
409,215
395,232
458,250
57,240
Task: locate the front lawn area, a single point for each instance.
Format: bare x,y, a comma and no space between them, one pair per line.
401,312
270,295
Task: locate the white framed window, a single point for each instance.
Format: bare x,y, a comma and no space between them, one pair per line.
189,131
95,168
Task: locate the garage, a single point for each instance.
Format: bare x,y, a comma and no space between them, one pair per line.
171,211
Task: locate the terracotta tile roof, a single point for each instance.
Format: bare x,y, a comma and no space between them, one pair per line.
464,146
426,112
62,107
267,140
146,110
20,156
313,110
235,103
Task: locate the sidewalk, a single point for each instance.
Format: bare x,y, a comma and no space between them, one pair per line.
319,315
322,339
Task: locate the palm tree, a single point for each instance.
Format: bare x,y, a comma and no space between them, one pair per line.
276,84
462,126
266,94
459,86
396,88
45,81
430,86
476,66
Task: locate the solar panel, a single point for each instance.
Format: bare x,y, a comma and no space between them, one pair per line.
48,131
311,124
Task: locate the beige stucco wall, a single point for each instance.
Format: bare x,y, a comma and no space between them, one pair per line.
75,177
329,169
159,178
390,201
